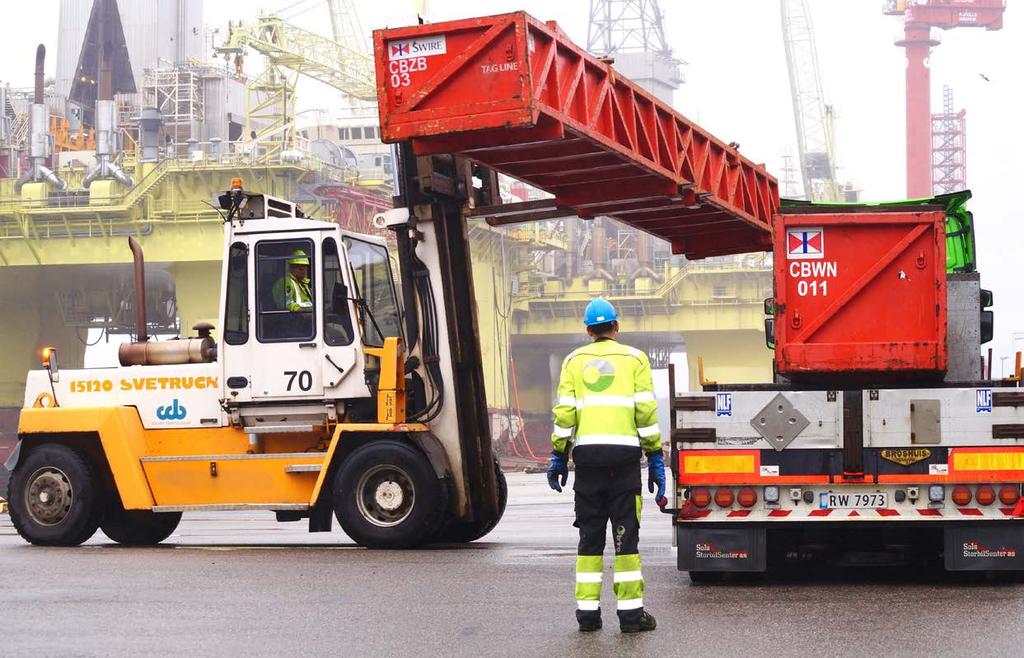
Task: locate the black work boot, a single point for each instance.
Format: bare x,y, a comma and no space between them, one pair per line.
645,622
589,620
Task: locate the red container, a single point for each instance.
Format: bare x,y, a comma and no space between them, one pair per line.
860,292
517,95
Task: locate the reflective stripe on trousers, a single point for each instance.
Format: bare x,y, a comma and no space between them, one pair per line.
588,581
628,582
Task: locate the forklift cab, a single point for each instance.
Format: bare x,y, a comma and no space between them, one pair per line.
301,300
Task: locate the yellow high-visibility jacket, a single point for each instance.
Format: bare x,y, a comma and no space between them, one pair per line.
606,398
293,294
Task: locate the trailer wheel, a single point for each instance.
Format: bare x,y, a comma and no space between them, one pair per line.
55,497
139,527
386,495
463,533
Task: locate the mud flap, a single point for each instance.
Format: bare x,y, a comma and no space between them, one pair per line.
985,547
721,549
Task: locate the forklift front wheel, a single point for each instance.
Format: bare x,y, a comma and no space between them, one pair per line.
386,495
55,497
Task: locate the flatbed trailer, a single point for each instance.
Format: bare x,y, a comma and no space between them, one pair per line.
879,441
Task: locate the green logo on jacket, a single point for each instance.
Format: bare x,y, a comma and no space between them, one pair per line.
598,375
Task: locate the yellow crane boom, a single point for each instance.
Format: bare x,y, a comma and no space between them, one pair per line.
307,53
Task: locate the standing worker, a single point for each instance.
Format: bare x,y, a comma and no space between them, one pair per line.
606,397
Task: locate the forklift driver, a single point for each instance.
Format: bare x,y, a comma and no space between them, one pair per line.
293,291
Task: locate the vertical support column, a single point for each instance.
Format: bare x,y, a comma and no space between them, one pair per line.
918,44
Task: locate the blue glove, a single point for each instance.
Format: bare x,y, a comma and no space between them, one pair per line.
558,467
656,475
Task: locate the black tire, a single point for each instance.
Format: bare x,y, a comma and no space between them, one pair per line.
55,496
706,577
463,533
139,527
386,495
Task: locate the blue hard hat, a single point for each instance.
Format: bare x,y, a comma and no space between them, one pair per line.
599,311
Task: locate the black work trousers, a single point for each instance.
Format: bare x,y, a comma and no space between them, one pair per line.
611,494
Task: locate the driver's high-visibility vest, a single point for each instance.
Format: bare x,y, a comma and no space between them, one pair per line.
606,399
292,294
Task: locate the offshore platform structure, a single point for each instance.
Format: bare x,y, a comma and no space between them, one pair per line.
934,159
136,137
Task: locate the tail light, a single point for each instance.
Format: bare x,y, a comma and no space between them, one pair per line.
747,497
985,495
961,495
700,497
1009,494
723,497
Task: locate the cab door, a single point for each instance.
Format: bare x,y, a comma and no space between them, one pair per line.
342,363
285,358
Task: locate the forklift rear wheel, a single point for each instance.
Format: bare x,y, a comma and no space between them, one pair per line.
386,495
54,497
462,533
139,527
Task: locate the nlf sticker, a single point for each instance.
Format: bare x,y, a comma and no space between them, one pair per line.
723,404
984,400
805,243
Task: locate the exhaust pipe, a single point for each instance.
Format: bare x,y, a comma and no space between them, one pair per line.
141,334
142,352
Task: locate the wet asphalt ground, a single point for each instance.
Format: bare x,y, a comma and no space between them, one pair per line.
242,584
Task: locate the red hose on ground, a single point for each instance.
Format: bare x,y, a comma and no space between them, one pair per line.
519,409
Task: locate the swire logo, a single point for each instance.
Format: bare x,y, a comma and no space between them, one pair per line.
173,411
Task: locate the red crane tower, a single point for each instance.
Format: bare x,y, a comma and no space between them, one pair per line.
919,16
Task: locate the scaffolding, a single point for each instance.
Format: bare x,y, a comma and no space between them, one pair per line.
949,147
177,92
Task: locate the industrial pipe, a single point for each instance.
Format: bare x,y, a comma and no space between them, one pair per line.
40,59
599,250
645,257
39,137
106,145
149,134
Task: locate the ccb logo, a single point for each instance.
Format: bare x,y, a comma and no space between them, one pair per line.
173,411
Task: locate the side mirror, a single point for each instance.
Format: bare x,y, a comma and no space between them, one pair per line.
50,363
988,323
769,333
769,306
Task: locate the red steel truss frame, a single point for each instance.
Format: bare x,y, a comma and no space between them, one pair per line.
518,96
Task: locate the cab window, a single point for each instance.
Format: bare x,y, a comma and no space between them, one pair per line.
285,291
371,274
236,311
337,320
